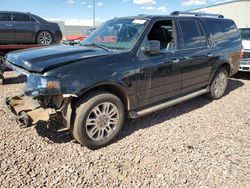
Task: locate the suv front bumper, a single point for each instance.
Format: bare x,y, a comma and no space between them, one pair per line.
245,65
28,111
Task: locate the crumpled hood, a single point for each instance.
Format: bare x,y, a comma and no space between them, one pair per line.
246,44
44,58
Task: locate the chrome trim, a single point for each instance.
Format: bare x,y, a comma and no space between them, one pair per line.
16,69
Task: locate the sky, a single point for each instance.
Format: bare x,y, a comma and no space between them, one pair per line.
80,12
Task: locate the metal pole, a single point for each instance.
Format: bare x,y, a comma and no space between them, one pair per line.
94,13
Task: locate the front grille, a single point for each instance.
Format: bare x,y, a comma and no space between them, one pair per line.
246,55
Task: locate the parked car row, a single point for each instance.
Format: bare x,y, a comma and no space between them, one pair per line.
27,28
127,68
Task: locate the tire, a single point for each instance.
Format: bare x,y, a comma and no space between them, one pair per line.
98,119
219,84
44,38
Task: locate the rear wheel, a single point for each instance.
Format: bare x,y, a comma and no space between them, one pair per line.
44,38
99,118
219,84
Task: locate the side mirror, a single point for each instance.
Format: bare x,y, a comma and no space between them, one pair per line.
152,47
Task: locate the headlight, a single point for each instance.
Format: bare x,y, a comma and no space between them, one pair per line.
38,85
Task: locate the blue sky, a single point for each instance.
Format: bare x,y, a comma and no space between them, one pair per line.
75,12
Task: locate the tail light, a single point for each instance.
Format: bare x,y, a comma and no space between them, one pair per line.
241,52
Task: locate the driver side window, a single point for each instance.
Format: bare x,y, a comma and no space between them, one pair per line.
164,32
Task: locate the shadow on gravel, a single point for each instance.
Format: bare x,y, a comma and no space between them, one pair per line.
15,80
132,126
49,130
242,75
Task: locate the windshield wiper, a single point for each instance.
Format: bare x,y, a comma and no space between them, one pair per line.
99,46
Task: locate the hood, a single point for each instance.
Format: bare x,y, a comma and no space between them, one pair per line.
45,58
246,44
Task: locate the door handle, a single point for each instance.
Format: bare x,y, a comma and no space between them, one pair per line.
210,55
176,61
8,25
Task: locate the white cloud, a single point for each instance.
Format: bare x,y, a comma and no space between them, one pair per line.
140,2
90,6
193,2
219,1
148,8
162,9
70,1
99,4
83,3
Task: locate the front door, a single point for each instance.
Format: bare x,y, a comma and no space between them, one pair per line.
159,75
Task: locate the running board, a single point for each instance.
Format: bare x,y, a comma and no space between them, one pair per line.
134,114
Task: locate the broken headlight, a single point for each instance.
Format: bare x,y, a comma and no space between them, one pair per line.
40,86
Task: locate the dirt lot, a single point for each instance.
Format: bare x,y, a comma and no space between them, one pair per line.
197,143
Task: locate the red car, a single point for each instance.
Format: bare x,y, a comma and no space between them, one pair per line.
75,39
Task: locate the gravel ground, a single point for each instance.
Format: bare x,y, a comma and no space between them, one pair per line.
199,143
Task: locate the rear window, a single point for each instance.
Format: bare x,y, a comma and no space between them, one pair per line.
224,32
193,36
21,17
5,16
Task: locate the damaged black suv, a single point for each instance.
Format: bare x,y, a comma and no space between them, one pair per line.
128,67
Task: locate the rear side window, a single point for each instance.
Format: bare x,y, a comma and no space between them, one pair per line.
21,17
224,32
5,16
193,36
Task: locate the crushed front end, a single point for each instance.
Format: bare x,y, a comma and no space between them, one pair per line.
41,101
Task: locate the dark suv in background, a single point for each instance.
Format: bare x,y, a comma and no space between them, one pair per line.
128,67
27,28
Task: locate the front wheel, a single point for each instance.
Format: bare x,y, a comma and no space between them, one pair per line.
219,84
99,118
44,38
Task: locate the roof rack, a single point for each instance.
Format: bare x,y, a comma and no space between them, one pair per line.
178,13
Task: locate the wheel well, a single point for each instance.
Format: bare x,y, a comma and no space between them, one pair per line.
227,67
44,30
115,90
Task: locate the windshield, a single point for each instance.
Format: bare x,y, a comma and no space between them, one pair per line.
245,33
117,34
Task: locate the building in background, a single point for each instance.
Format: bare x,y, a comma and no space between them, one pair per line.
239,11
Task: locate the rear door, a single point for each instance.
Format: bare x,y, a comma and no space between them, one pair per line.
25,28
6,28
195,55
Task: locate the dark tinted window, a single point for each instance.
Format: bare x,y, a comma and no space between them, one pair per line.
224,32
193,36
21,17
245,33
5,16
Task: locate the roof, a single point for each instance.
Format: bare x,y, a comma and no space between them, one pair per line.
219,4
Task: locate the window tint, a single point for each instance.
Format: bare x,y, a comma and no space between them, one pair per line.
224,32
193,36
5,16
163,31
21,17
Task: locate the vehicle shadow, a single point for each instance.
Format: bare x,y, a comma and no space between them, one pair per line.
242,75
15,80
49,130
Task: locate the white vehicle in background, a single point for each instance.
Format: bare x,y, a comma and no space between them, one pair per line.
245,63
